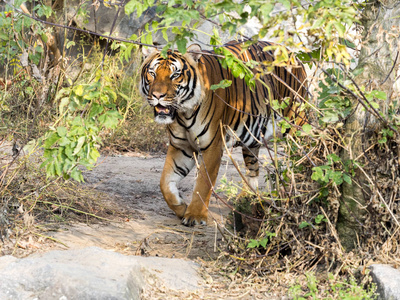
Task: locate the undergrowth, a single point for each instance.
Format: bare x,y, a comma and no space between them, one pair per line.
32,84
32,204
137,131
294,229
332,288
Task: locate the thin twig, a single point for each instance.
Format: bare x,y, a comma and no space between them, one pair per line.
391,70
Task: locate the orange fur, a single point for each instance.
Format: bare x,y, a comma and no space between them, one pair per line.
178,88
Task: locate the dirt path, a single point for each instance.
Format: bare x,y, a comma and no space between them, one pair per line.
143,224
151,228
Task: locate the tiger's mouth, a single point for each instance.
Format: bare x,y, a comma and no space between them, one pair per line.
164,112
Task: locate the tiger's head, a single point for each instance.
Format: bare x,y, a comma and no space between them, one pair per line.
171,84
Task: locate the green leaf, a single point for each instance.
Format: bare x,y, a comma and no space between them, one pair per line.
222,85
303,225
330,117
340,28
336,177
51,140
68,151
4,36
251,83
347,178
333,157
50,169
79,145
91,95
69,44
264,242
58,168
379,95
110,119
79,90
47,11
77,174
44,37
112,95
307,128
62,131
130,7
64,141
357,71
265,10
319,219
317,23
164,34
382,140
63,103
318,174
286,3
95,110
94,154
47,161
253,244
237,71
181,43
285,126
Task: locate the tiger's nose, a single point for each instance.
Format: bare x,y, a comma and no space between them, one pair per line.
158,95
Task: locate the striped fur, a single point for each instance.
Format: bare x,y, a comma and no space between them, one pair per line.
179,90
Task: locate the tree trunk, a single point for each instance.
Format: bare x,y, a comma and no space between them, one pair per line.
352,211
379,60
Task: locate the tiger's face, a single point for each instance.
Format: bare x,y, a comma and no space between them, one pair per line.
172,84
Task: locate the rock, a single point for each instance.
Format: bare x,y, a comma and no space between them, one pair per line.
101,20
387,280
91,273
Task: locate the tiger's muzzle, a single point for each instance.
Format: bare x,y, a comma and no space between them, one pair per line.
164,114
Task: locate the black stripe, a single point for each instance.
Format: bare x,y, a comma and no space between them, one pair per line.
180,170
211,142
174,136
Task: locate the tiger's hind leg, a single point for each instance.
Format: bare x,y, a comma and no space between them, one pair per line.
250,157
178,164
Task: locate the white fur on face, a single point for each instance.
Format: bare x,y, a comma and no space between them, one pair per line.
164,120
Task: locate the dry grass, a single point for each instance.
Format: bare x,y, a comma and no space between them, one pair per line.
32,204
303,220
139,133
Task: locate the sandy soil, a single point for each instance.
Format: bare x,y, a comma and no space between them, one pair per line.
144,225
151,228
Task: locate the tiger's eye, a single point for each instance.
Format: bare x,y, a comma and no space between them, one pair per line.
175,75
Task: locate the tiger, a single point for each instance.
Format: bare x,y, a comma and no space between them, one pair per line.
200,121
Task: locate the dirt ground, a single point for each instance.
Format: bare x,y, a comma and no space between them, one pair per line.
150,227
144,225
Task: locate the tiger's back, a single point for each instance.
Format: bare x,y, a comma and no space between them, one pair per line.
251,109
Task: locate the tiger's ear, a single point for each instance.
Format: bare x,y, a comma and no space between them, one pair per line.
194,52
147,51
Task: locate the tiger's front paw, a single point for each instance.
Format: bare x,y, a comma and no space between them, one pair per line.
191,220
179,210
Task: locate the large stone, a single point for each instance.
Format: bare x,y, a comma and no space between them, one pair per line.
91,273
101,20
387,280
